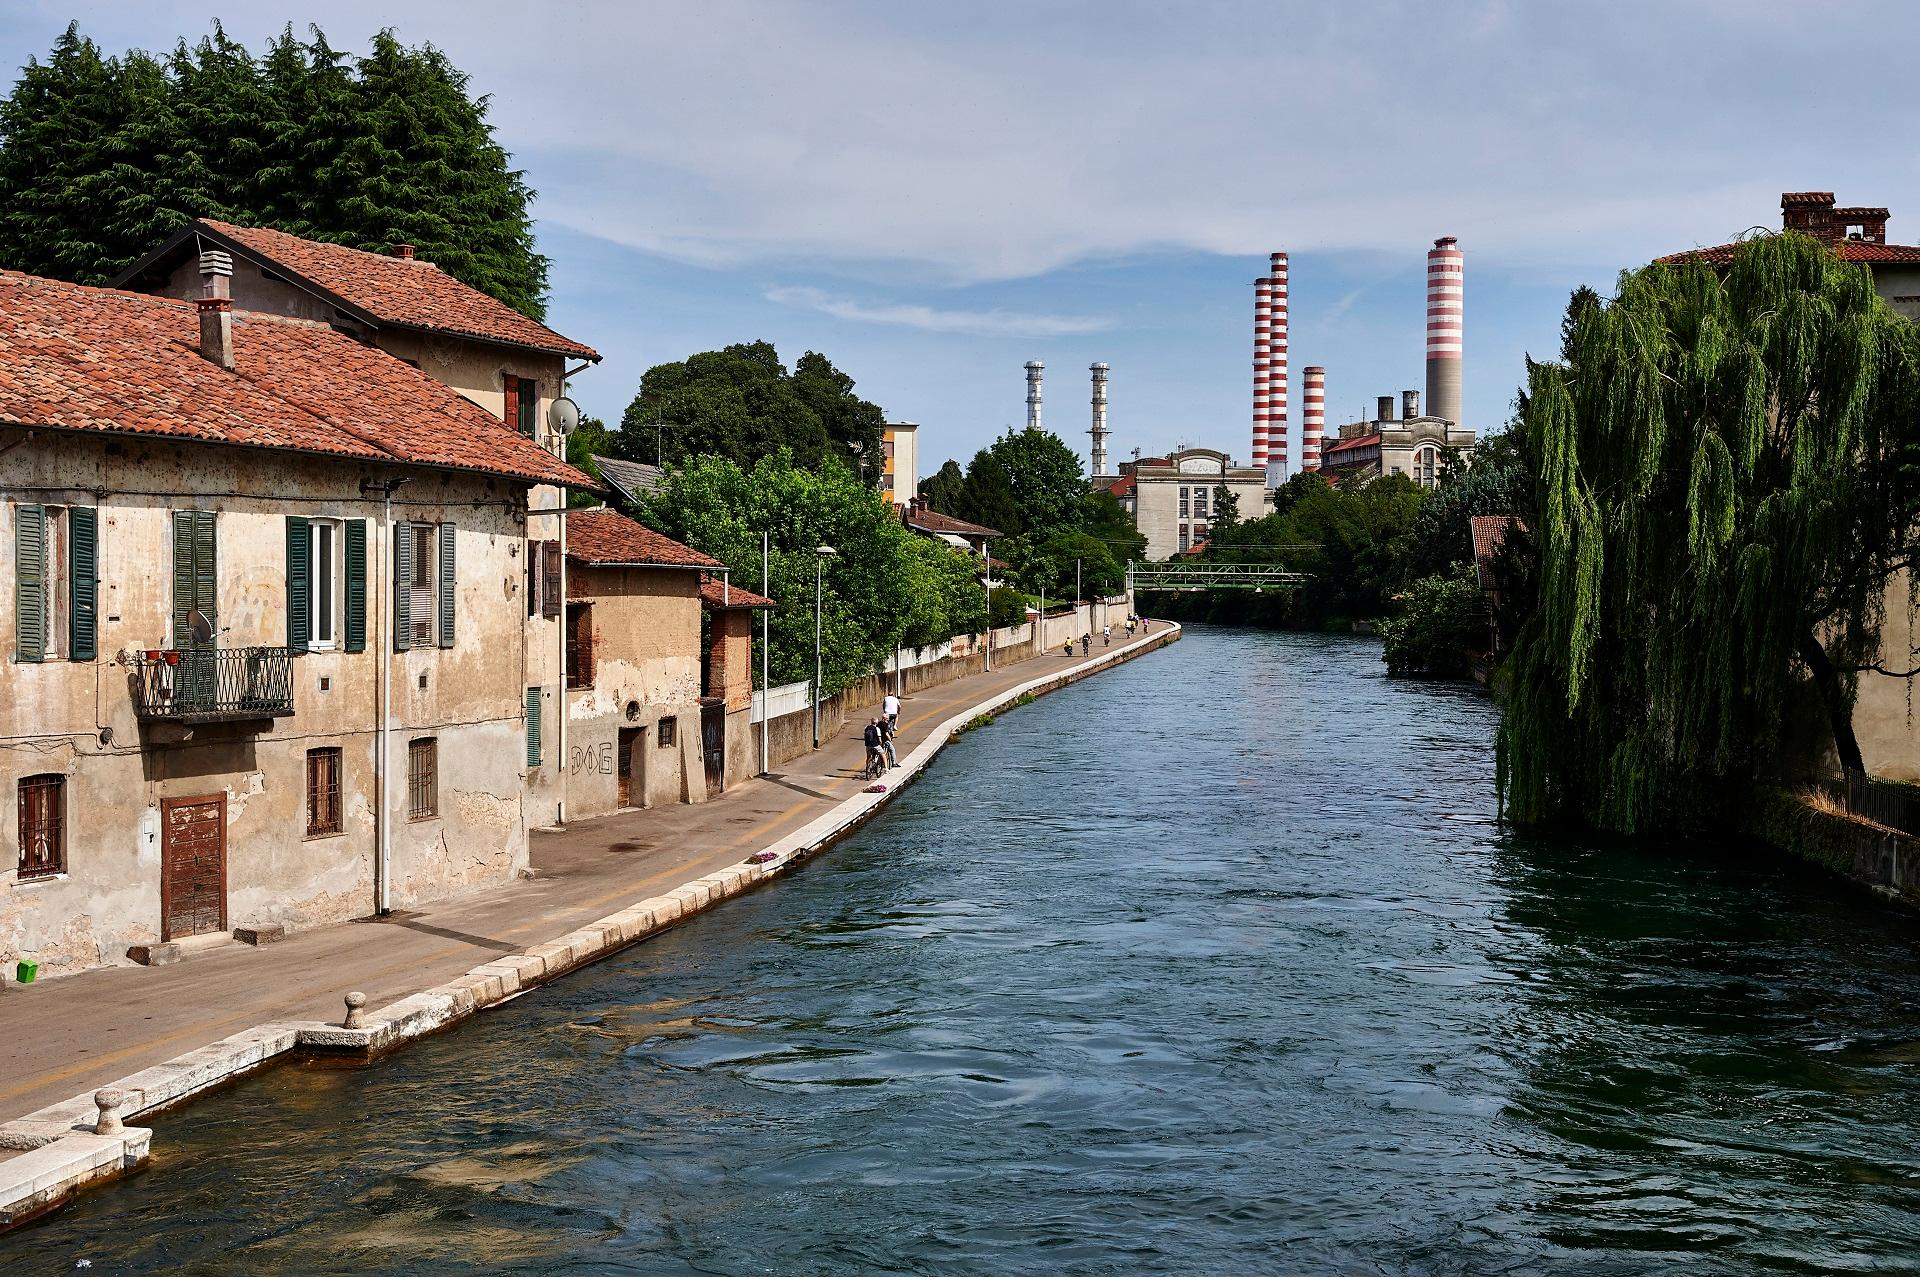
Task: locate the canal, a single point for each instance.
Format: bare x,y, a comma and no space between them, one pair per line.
1217,963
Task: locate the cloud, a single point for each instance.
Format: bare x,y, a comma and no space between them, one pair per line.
973,323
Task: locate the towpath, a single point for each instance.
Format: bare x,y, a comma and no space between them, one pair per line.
66,1036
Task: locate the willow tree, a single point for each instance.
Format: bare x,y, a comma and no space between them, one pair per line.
1722,488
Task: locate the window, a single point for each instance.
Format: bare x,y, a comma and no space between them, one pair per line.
1185,543
543,578
533,727
43,826
1185,502
523,403
421,583
325,583
195,576
323,792
423,778
669,729
579,645
1426,466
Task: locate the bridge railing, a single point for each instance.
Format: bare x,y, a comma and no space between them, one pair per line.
1214,576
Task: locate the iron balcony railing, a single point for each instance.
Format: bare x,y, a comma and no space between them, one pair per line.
213,684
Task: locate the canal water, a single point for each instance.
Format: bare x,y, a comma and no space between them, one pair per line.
1215,964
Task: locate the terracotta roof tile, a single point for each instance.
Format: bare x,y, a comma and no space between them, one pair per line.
610,539
410,292
79,358
933,521
1347,445
1849,250
713,593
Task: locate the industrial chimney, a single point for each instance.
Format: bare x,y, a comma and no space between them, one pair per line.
1383,408
1313,415
1445,296
1262,354
1099,431
215,305
1277,375
1409,404
1033,393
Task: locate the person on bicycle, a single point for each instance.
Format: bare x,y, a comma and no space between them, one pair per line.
1086,643
1106,636
872,737
887,733
890,710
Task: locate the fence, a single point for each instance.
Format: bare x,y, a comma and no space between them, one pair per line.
205,684
1885,802
788,699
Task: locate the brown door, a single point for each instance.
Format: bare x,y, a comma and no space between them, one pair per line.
193,866
713,744
629,741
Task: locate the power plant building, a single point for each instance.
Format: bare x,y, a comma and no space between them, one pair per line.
1173,498
1413,443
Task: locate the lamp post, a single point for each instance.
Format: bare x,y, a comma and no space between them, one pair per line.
987,558
821,554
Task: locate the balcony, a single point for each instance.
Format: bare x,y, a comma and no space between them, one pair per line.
212,685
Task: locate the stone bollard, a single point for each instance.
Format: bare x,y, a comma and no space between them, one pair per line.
108,1100
356,1011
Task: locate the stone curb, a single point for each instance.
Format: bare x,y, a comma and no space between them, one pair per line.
61,1155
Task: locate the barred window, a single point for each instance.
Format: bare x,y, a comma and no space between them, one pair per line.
323,792
579,645
423,778
668,728
43,826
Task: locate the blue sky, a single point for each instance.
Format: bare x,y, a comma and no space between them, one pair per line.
933,196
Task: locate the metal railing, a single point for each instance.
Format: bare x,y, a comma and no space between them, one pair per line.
212,684
1213,576
1895,804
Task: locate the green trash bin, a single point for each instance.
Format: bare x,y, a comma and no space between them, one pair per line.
26,970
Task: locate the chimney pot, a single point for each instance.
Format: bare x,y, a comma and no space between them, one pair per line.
216,330
403,251
1409,404
1385,407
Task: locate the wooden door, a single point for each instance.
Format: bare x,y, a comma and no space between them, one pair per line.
713,745
629,741
193,866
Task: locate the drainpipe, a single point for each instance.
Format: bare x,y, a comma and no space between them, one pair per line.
383,569
766,622
560,755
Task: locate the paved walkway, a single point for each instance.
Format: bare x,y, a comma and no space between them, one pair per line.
69,1035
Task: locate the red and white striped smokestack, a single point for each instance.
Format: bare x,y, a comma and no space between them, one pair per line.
1277,375
1262,353
1313,415
1446,282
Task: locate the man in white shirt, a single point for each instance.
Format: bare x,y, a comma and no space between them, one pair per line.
891,708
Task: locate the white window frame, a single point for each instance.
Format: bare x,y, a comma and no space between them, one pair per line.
333,591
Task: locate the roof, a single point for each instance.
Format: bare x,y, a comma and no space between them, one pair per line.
95,359
607,538
629,478
1849,250
1489,533
716,594
1348,445
380,289
924,520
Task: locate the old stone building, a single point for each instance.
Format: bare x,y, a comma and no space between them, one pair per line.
267,601
1174,501
1411,443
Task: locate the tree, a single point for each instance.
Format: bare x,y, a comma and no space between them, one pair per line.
945,489
102,158
1045,477
1441,623
741,403
1722,484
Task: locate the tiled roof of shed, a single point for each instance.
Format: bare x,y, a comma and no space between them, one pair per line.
715,593
933,521
94,359
608,538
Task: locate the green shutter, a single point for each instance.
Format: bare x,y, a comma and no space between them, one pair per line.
30,582
205,573
299,575
402,586
533,727
182,573
446,585
83,581
356,552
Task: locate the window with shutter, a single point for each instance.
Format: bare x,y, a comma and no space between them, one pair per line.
446,584
511,412
30,582
550,579
579,645
534,557
533,727
422,582
83,582
355,539
195,574
528,416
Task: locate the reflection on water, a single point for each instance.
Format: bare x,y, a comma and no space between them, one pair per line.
1215,964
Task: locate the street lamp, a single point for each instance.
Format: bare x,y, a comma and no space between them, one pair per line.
821,554
986,557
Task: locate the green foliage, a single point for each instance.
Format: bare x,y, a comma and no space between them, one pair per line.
1442,534
742,404
1440,624
1046,563
589,439
1721,482
1009,607
101,158
883,586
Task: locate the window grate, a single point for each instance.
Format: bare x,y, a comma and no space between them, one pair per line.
323,792
669,729
423,778
579,645
43,826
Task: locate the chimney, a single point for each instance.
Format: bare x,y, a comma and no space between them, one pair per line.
215,305
1446,283
1313,415
1099,430
1810,213
403,251
1383,408
1277,374
1262,354
1033,393
1409,404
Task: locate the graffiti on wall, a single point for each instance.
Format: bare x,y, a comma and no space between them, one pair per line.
592,758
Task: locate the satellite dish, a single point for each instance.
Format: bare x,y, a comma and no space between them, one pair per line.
199,628
563,416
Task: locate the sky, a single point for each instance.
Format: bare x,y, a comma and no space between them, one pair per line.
933,195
